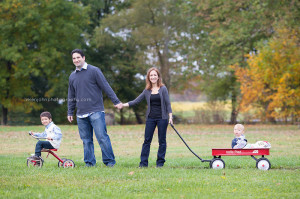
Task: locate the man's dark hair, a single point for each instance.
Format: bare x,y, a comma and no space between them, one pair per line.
77,51
46,114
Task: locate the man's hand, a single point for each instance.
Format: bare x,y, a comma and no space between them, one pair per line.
70,118
119,106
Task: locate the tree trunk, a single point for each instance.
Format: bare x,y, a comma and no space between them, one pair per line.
271,119
164,66
138,117
164,59
233,116
268,116
122,117
234,112
165,71
4,115
6,91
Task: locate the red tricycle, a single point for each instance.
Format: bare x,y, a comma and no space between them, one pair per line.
217,163
62,162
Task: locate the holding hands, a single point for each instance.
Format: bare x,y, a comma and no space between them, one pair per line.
121,105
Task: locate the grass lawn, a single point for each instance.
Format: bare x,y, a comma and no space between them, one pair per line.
183,176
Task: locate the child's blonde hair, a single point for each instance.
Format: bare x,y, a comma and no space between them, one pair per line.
240,126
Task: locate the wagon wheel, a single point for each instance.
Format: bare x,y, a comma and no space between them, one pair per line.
68,164
263,164
60,164
35,163
217,163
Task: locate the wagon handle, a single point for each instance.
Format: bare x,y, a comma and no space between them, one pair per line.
188,145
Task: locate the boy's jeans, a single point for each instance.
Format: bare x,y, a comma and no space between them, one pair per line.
42,145
95,122
151,124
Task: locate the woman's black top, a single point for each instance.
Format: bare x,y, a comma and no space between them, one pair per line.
155,107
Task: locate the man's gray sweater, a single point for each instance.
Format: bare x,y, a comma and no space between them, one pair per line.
85,91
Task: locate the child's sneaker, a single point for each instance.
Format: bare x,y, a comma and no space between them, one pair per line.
34,157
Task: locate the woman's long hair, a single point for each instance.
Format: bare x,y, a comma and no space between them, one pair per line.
148,82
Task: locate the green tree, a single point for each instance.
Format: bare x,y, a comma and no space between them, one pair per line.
271,82
116,57
34,38
233,29
122,69
154,26
135,36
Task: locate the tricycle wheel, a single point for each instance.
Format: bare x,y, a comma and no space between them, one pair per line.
68,164
35,163
60,164
217,163
263,164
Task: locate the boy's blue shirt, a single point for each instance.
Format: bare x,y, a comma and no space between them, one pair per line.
53,131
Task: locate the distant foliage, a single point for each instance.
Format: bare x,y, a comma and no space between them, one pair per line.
271,81
36,38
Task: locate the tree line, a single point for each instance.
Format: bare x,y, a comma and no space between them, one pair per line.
238,50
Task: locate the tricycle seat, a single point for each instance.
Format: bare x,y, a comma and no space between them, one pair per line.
48,150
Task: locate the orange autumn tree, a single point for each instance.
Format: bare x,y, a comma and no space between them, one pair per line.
271,82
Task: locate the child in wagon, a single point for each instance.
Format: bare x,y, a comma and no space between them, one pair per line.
240,142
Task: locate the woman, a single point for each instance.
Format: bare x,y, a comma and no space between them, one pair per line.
158,112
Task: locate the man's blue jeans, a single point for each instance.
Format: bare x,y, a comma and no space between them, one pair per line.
151,124
95,122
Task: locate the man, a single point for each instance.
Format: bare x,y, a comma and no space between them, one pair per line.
86,84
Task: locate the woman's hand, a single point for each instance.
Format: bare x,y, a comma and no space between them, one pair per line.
126,105
170,118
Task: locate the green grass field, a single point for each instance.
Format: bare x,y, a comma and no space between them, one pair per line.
183,176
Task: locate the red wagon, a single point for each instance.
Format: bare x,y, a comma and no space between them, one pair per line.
217,163
261,163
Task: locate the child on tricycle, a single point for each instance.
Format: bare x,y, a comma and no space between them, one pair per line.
52,134
53,137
